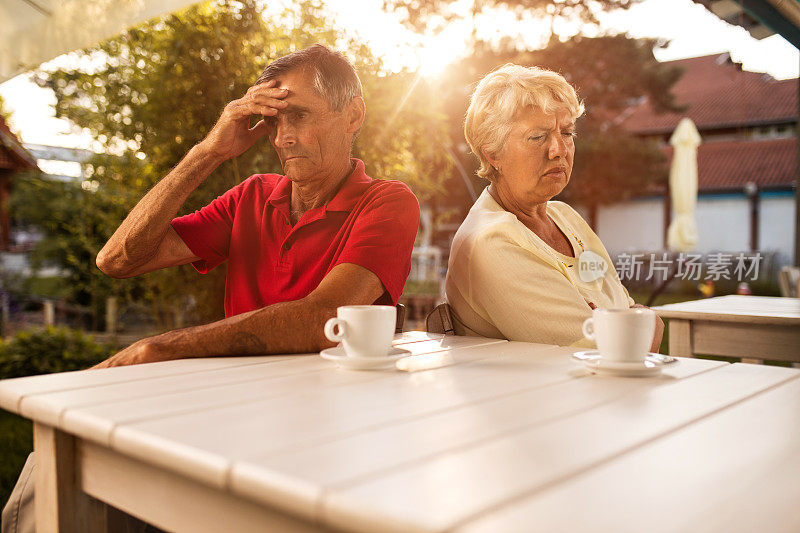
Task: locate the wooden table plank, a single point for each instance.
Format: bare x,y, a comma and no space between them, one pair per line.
97,422
737,308
313,414
340,461
736,471
749,327
12,391
447,491
48,407
30,397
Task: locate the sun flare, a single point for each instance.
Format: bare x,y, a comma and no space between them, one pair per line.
435,58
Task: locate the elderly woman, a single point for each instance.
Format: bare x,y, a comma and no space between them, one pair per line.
514,264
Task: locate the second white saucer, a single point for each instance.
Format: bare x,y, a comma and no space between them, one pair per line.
342,360
597,365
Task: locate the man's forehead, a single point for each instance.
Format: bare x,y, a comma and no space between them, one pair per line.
299,84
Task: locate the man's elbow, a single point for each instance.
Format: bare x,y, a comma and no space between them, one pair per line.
109,266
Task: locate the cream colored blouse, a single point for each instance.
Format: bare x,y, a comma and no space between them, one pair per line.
503,281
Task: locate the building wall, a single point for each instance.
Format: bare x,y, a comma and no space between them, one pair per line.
776,225
637,225
723,223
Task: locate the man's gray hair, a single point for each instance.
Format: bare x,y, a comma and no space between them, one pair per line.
335,79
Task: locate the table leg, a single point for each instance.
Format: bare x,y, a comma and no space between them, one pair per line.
680,338
60,504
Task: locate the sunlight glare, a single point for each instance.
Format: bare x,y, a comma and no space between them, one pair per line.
436,52
434,59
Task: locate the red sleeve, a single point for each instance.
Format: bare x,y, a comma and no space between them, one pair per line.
382,237
207,232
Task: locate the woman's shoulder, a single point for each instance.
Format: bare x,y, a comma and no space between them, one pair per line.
484,223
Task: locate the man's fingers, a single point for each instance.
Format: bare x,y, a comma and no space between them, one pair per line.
244,108
268,96
261,99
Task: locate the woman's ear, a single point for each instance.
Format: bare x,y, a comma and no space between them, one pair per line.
490,157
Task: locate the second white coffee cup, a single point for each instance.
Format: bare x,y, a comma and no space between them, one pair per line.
621,334
363,330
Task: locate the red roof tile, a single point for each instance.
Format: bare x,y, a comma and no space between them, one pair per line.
720,95
729,165
12,154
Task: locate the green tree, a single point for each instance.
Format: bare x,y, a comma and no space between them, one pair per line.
432,15
610,73
157,89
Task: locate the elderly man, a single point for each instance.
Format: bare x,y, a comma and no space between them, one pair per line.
298,246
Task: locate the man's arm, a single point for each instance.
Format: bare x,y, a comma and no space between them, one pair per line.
287,327
145,241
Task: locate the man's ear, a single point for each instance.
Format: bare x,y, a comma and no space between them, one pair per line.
355,112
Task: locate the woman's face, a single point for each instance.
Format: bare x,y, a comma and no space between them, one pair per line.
536,162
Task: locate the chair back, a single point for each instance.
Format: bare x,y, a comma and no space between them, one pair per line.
440,320
788,280
401,318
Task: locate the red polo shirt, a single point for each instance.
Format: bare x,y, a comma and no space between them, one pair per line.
371,223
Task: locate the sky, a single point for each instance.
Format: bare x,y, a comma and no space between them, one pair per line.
691,29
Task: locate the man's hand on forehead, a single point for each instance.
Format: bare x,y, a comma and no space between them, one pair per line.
264,99
232,134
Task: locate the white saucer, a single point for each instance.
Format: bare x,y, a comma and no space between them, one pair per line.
595,364
657,358
342,360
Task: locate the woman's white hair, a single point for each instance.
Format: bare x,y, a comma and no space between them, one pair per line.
499,99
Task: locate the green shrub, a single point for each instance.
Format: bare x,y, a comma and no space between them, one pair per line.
16,442
49,350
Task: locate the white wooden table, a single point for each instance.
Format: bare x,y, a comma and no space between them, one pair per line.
753,327
476,435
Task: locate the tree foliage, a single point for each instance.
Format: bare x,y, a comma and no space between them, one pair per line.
610,73
427,15
151,93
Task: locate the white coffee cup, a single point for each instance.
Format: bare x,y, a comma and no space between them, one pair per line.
621,334
363,330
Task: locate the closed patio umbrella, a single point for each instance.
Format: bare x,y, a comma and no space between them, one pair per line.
682,232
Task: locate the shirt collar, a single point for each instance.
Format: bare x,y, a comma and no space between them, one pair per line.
351,190
345,199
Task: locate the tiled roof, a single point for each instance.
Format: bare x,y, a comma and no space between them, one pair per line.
729,165
12,154
720,95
